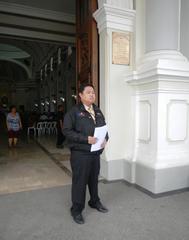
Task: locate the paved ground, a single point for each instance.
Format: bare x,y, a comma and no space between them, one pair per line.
44,215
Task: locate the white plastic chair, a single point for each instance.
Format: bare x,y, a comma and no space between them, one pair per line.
33,128
54,128
39,128
48,127
44,127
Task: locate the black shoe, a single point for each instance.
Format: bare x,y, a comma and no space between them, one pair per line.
78,218
99,207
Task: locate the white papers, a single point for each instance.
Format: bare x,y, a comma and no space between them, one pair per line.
100,134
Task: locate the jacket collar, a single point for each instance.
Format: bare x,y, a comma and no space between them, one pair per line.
82,108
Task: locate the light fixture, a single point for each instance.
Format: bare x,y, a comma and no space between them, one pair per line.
69,50
59,56
36,105
41,74
46,70
54,101
43,104
74,96
51,64
62,99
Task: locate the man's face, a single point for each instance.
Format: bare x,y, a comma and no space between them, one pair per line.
87,96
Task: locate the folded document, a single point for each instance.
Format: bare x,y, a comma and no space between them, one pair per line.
100,134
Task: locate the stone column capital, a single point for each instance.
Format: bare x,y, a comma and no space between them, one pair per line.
118,3
111,16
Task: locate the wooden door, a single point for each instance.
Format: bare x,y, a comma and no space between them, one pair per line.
87,44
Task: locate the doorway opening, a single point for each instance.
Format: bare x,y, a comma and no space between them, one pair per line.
45,53
36,77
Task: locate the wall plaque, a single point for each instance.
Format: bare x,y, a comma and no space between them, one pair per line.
121,48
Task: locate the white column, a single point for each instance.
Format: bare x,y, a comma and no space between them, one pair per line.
162,25
115,96
161,83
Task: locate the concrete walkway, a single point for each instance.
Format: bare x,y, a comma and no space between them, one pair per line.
44,215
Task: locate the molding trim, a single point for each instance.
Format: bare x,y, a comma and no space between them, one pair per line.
36,12
171,102
120,3
109,16
148,138
160,66
161,90
163,54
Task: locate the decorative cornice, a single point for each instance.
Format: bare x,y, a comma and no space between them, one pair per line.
109,16
119,3
36,12
162,90
169,66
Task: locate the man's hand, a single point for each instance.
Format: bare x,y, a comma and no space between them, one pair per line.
92,140
104,144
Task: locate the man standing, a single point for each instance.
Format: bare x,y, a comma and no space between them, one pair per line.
60,136
79,126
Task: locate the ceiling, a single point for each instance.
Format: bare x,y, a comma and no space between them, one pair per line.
10,72
18,57
9,51
67,6
23,56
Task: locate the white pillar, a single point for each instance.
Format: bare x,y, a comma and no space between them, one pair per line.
115,16
162,25
161,83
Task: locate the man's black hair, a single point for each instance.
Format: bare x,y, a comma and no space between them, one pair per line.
83,86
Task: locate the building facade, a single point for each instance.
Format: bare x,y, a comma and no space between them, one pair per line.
143,86
146,102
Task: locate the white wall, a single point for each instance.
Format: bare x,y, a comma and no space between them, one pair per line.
184,30
116,99
116,96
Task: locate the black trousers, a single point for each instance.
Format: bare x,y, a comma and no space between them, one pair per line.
85,171
60,137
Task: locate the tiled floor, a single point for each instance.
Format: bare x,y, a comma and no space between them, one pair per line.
28,167
61,155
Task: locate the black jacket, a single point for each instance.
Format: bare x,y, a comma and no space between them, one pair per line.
78,125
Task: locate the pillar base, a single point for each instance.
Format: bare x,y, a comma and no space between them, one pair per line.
156,181
161,155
